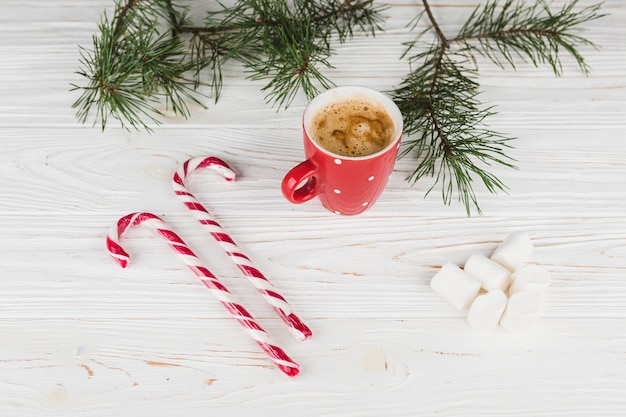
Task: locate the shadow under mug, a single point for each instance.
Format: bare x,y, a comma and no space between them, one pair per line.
345,185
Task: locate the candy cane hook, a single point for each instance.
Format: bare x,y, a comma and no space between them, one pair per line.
239,313
260,282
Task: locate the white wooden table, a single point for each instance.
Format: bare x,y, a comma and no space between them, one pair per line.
80,336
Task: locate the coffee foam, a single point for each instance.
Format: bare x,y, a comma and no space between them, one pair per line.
355,126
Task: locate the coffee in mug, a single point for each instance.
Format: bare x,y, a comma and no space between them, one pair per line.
355,126
351,139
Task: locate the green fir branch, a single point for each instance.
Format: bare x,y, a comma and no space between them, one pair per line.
444,121
137,61
444,118
150,53
532,33
132,68
291,64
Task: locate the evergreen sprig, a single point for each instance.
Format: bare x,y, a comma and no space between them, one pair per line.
444,121
439,97
532,33
151,52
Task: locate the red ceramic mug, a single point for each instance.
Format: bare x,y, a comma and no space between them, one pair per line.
344,184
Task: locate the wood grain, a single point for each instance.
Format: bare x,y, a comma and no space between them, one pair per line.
81,337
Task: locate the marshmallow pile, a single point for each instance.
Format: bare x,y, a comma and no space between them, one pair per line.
502,289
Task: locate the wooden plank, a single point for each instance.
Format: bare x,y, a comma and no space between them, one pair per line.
80,336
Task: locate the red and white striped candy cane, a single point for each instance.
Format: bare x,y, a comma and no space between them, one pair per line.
243,317
260,282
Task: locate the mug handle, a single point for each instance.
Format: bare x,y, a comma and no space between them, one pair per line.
291,188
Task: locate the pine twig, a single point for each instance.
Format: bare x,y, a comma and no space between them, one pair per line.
150,53
134,64
528,33
439,98
132,68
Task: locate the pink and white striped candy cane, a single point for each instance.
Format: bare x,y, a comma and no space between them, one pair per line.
260,282
260,336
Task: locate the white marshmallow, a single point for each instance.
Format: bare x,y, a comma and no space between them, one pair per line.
514,251
486,310
522,311
531,278
492,275
455,285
